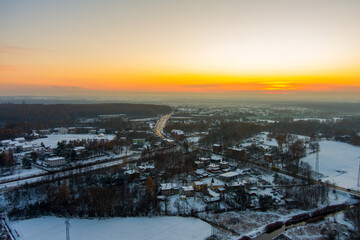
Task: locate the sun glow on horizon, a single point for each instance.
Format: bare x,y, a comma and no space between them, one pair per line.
273,47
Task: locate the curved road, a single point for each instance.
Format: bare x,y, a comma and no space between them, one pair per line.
159,126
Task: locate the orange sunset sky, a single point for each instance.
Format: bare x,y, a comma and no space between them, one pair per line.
270,47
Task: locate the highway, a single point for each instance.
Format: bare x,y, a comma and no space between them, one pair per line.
159,126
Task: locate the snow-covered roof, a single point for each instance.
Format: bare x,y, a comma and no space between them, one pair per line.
19,144
237,183
198,183
216,157
229,174
55,159
187,188
177,132
214,181
80,148
19,139
213,194
168,186
27,146
236,149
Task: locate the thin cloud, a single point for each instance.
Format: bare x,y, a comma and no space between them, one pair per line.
18,50
9,68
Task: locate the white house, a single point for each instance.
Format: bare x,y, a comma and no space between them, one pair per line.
55,161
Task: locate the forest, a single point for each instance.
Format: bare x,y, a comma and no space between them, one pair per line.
18,119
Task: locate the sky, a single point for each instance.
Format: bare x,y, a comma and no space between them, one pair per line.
308,48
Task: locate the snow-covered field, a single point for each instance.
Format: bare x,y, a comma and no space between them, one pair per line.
156,228
339,163
52,140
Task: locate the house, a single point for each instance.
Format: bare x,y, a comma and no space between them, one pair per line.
237,153
251,182
212,196
79,149
177,134
55,161
34,135
205,160
223,164
20,140
217,148
167,189
216,158
101,131
183,197
9,143
290,203
26,148
213,168
229,176
199,164
44,131
200,186
169,142
252,191
92,131
5,143
18,145
188,191
216,184
132,174
235,185
63,130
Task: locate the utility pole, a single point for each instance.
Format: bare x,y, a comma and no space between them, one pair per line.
358,183
317,164
67,223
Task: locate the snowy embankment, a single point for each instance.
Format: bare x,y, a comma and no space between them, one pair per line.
339,163
156,228
65,173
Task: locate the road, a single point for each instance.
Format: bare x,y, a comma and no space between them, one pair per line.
159,126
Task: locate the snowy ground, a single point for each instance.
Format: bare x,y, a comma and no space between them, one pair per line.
193,139
318,231
52,140
156,228
339,163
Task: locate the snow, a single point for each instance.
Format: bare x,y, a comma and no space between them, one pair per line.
339,163
52,140
156,228
193,139
229,174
